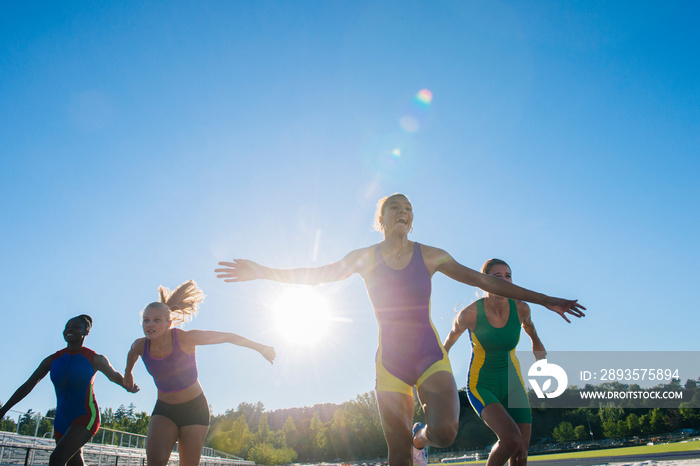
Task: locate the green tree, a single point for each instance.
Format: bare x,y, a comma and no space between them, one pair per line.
610,428
27,423
581,432
7,424
263,433
265,453
634,425
623,429
46,423
656,421
318,437
235,438
564,432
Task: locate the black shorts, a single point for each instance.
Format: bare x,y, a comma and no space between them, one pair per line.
193,412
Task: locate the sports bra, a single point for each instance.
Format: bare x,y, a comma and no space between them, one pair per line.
175,372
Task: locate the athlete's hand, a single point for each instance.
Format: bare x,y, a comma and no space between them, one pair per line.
133,389
539,351
129,383
566,306
268,352
240,270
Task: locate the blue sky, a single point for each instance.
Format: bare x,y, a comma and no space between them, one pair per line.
140,144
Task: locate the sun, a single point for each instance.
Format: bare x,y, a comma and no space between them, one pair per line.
302,315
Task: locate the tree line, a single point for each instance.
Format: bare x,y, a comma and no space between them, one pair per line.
352,430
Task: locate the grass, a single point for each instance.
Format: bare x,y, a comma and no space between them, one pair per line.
641,450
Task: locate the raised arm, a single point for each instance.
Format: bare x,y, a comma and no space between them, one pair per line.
526,321
241,270
209,337
465,320
440,261
27,387
101,363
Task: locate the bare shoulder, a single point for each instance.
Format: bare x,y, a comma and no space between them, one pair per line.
360,254
434,257
189,339
431,252
138,345
46,363
467,316
100,361
360,260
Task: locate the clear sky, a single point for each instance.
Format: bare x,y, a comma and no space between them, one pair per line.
143,142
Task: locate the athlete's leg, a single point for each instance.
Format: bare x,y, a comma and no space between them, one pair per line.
396,413
509,438
67,449
190,444
438,397
520,457
161,438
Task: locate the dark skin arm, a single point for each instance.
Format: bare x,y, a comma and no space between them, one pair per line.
27,387
101,363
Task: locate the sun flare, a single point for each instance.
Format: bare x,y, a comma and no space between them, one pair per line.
302,316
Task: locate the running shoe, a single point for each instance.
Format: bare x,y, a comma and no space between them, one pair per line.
420,456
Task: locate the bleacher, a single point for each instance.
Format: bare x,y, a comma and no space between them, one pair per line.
22,450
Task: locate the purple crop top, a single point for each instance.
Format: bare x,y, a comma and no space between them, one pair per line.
173,373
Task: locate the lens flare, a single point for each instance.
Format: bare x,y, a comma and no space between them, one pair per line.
409,123
424,97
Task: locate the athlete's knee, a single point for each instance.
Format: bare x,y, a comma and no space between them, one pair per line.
442,434
153,461
520,456
157,458
58,458
509,445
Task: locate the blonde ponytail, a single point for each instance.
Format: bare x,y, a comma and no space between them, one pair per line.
183,301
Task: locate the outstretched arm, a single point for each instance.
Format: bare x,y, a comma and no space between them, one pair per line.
210,337
241,270
529,327
441,261
101,363
466,319
26,388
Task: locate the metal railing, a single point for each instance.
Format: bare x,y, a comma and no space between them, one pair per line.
108,447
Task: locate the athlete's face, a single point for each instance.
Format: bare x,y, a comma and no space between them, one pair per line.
397,215
74,330
155,321
501,271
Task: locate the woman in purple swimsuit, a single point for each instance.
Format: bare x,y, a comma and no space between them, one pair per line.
181,413
397,273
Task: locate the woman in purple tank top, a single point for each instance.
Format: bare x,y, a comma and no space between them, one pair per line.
181,413
397,273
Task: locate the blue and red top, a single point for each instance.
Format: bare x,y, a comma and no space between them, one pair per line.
72,375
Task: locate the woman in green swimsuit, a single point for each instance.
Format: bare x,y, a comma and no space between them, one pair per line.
494,377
